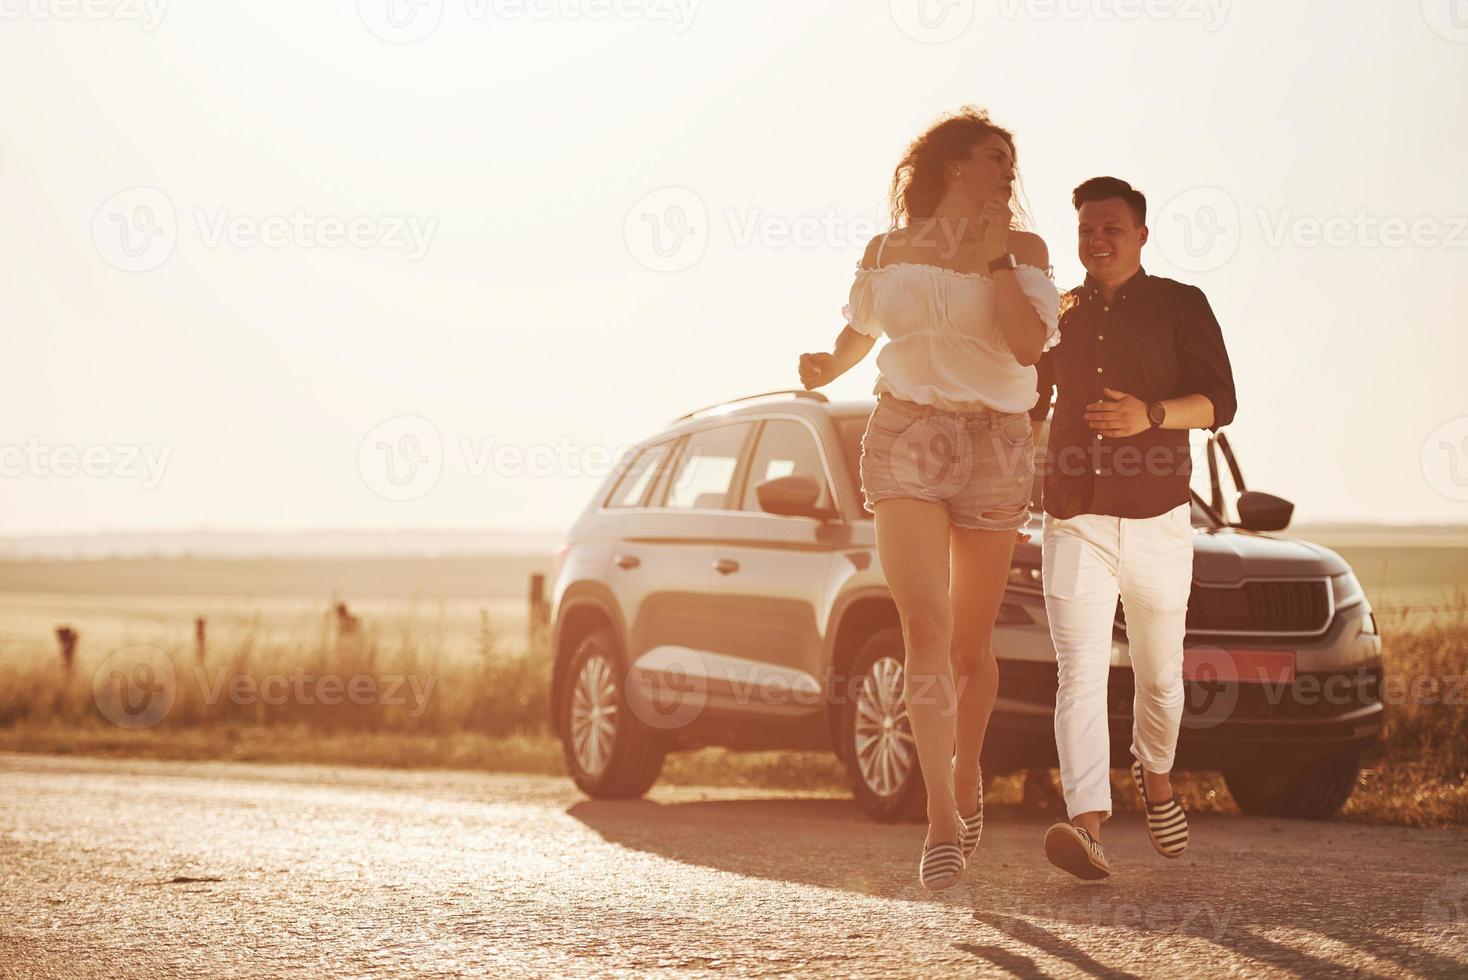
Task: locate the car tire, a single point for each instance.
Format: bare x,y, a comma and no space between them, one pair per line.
1314,791
611,755
886,779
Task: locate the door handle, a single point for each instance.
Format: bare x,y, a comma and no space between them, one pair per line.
726,566
627,561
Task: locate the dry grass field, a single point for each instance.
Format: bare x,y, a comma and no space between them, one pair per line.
457,679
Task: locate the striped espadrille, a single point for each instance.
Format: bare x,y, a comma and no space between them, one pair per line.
1167,825
941,864
1071,849
971,827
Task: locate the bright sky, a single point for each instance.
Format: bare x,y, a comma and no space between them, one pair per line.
252,254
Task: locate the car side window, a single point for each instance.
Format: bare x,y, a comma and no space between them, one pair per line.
703,474
638,476
785,448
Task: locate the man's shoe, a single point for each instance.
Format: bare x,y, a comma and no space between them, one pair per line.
1167,825
1071,849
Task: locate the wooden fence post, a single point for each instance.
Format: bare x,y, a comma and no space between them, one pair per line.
67,637
539,607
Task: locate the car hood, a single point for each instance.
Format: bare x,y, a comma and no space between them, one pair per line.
1228,554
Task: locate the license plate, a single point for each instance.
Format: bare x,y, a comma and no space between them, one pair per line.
1242,666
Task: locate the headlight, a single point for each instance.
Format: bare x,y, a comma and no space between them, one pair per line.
1346,589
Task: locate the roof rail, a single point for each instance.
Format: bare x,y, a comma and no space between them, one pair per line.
797,392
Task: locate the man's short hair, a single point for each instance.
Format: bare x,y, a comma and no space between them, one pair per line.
1106,188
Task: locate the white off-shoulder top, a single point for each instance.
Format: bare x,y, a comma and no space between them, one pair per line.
945,347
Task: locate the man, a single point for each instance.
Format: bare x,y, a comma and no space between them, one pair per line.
1140,362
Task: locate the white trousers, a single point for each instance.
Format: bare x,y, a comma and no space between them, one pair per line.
1089,560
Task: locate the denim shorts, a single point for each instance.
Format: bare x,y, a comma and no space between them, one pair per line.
979,464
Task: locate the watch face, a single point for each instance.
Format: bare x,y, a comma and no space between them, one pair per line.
1156,413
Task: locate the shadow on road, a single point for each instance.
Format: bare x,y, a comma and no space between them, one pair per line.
1288,894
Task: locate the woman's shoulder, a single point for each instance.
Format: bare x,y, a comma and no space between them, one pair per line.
871,257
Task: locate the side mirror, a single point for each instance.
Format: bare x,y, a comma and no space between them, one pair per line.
792,496
1260,511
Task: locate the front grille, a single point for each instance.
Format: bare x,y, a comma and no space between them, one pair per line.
1256,607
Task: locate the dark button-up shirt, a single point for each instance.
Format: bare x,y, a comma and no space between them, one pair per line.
1158,339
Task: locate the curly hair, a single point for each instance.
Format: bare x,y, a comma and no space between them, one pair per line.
917,183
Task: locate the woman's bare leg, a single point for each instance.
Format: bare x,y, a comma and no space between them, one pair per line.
912,542
980,568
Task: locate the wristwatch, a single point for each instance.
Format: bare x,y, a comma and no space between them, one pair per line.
1005,261
1156,414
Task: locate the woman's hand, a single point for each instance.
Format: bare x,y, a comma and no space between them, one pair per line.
817,369
995,220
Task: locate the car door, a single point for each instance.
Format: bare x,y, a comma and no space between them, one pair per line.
772,577
661,569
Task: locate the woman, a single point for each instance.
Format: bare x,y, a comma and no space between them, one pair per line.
947,458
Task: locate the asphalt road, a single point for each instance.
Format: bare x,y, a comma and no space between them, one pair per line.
139,869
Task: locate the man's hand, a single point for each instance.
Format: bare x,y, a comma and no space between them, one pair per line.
817,369
1119,416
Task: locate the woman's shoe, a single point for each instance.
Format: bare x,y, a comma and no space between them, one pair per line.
1071,849
942,864
1167,825
971,827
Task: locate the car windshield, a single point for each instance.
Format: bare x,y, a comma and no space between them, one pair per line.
851,428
